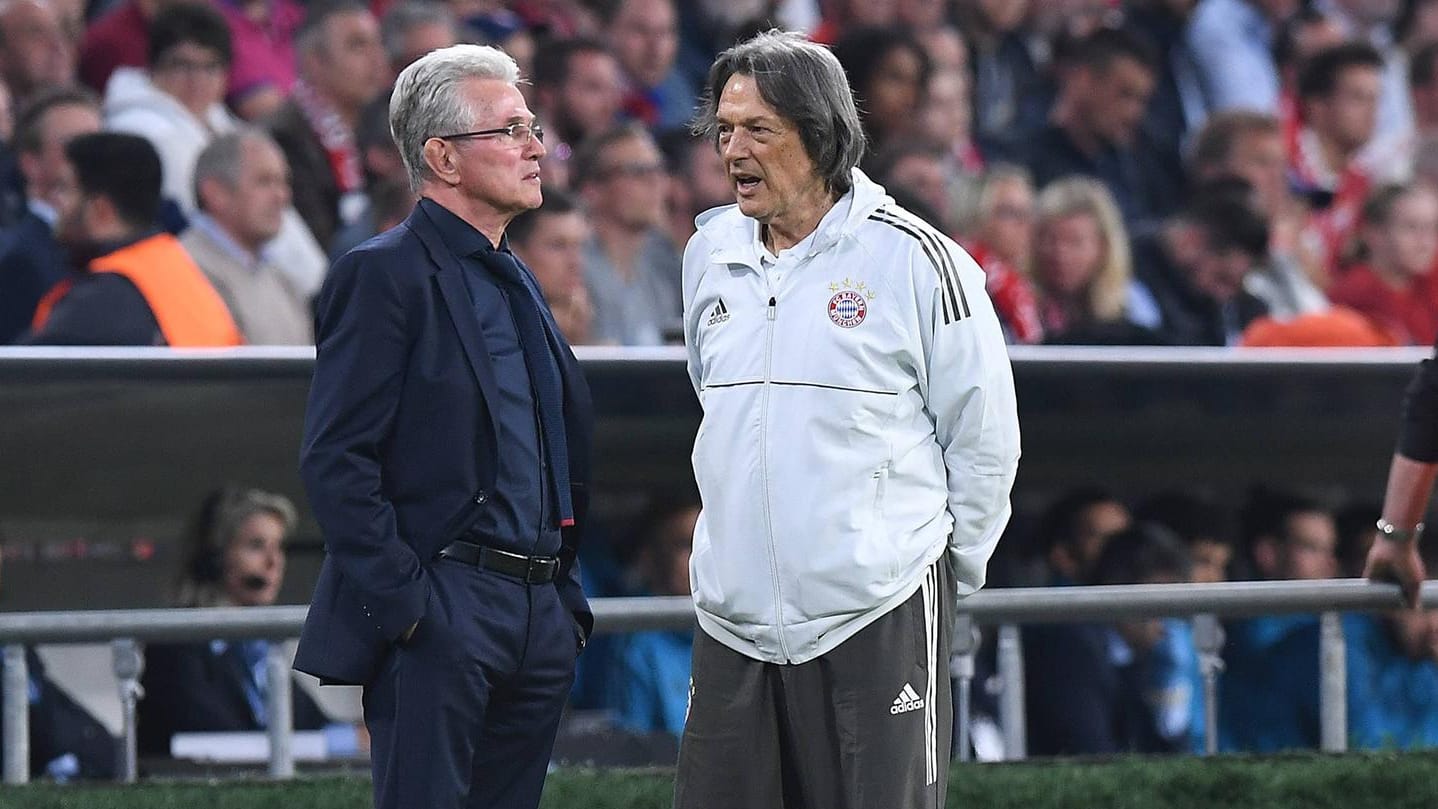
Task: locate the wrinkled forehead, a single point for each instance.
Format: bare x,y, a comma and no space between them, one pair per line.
742,102
496,101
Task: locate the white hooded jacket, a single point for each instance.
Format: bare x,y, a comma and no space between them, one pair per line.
859,420
133,104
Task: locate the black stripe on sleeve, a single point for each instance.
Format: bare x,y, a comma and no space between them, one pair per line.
938,267
937,257
929,232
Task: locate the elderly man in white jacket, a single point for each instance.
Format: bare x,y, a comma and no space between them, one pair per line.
859,441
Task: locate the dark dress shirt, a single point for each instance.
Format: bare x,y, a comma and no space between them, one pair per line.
519,517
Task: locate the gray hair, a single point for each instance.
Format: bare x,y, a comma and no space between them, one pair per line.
407,16
807,86
427,101
222,158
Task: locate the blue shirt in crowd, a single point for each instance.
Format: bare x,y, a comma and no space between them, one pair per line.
653,682
1268,694
1175,686
1392,698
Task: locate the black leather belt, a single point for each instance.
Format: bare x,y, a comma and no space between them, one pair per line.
528,569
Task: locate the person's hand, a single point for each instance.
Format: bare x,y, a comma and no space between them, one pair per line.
409,633
1399,563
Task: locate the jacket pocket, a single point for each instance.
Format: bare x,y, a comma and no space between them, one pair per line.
876,515
881,476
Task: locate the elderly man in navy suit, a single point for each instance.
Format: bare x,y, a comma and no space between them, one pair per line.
446,456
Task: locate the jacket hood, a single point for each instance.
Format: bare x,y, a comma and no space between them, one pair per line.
131,92
726,225
130,88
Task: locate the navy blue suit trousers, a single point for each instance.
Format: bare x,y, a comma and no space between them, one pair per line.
465,712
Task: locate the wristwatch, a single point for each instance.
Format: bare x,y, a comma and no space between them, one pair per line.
1393,533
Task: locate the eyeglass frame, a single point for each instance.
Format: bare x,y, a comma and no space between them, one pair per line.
178,65
536,132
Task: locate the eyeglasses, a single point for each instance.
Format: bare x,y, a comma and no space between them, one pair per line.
514,134
182,65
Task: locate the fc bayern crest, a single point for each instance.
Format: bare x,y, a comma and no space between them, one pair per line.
848,309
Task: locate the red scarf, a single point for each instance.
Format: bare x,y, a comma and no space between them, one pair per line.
968,157
1013,297
1331,228
337,138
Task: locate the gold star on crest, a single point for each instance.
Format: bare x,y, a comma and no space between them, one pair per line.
833,287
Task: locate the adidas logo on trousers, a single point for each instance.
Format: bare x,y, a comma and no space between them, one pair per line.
907,700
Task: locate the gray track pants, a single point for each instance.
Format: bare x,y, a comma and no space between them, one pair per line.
866,726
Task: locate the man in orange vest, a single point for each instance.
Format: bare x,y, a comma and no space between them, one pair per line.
133,284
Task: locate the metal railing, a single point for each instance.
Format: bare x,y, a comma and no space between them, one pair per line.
1004,608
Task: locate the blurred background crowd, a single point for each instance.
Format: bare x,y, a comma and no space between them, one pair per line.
1126,172
1149,172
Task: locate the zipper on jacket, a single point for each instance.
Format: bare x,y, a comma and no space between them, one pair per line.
764,471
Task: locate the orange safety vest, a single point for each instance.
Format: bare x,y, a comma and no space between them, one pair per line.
190,312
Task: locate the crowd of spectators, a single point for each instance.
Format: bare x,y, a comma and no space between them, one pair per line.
1135,686
1130,172
1090,688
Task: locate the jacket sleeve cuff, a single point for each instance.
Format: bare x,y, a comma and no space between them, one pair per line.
393,616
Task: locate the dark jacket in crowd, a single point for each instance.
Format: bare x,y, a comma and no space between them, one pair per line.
1011,97
101,310
31,263
65,740
1145,186
1190,318
1084,694
1176,108
201,687
316,194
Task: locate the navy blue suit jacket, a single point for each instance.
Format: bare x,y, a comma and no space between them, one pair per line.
399,446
